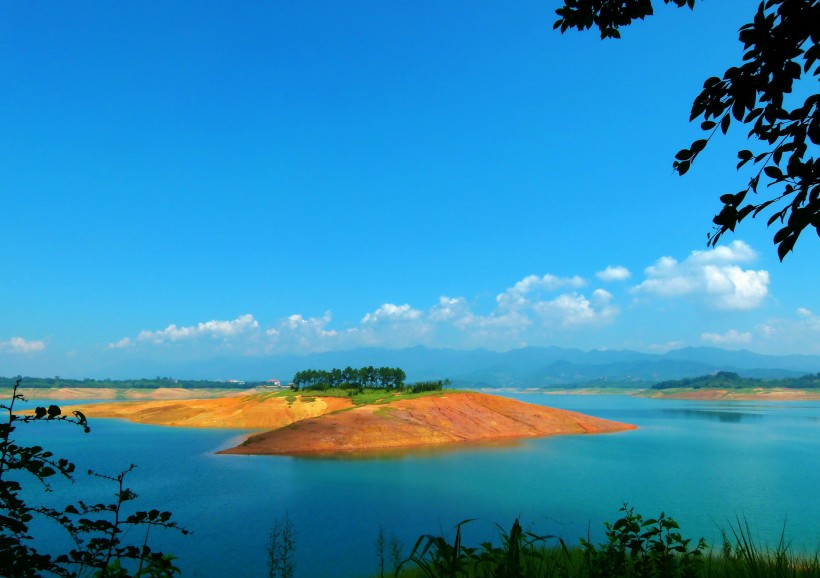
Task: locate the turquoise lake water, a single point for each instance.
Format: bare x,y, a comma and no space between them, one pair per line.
704,463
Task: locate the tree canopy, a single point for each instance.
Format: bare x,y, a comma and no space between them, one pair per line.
780,49
350,378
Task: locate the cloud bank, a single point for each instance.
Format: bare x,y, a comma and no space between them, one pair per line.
524,313
214,329
535,310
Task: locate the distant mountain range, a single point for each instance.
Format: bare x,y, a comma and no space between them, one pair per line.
527,367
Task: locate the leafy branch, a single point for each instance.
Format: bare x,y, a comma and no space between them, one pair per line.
780,49
96,530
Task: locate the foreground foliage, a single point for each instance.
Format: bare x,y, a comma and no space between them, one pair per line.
634,548
96,530
781,48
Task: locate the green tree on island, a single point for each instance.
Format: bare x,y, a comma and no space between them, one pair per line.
350,378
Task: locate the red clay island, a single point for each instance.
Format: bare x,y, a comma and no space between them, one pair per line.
316,425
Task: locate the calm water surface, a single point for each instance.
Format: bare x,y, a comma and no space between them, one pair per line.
704,463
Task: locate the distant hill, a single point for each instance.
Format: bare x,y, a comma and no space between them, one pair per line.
158,383
536,367
730,380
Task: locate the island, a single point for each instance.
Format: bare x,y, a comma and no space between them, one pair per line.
300,424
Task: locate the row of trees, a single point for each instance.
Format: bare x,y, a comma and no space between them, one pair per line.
350,378
421,386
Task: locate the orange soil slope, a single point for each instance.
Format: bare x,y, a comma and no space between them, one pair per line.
258,411
454,417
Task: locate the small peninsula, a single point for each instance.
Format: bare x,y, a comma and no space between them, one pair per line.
727,385
316,424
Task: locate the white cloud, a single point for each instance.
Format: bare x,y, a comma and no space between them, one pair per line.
602,296
568,309
788,335
298,324
21,345
508,321
572,309
734,252
390,312
735,288
616,273
303,334
215,329
531,286
121,344
712,275
667,278
449,308
664,347
731,337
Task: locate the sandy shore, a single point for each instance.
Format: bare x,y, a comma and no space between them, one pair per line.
759,394
332,425
255,411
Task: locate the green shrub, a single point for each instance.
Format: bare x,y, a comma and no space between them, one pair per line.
643,548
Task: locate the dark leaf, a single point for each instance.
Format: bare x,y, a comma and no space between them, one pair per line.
698,146
724,124
785,246
744,212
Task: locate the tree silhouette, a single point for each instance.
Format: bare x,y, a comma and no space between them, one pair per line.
780,49
98,531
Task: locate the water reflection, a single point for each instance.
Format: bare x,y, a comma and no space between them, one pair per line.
711,414
426,451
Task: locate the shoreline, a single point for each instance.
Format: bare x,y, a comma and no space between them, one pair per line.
135,394
759,394
130,394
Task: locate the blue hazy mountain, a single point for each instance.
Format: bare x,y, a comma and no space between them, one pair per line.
526,367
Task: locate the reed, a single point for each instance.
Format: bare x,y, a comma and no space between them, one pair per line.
634,547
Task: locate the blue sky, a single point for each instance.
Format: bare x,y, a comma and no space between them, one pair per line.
186,180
